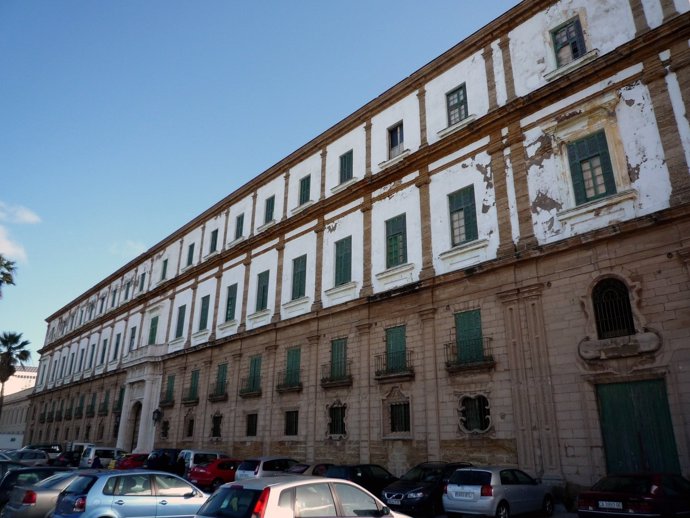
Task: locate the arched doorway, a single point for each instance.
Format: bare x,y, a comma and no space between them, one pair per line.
135,419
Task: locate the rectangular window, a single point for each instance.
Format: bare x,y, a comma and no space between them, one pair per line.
81,360
456,104
113,298
468,336
214,242
396,241
343,261
203,315
104,348
254,382
252,424
216,421
396,349
400,417
194,385
590,168
179,328
164,269
190,254
299,277
396,140
291,420
170,388
153,330
132,337
270,206
71,363
221,378
142,281
116,348
292,373
92,355
304,189
336,421
338,358
568,42
189,427
239,226
262,291
463,216
231,303
346,169
128,286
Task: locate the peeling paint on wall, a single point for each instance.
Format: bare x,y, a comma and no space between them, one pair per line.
543,201
545,150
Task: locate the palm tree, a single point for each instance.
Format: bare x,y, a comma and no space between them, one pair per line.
7,269
13,351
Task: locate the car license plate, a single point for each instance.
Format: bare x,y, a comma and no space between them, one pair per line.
466,495
604,504
393,501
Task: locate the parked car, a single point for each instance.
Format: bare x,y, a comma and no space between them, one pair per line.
318,470
636,494
270,466
131,461
52,449
6,465
128,494
191,458
67,458
25,477
371,477
30,457
214,474
162,459
495,491
37,500
419,491
104,454
293,495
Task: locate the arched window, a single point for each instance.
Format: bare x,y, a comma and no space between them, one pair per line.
612,310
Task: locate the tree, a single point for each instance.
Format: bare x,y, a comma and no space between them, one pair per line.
7,269
13,351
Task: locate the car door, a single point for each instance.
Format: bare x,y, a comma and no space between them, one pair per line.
354,501
531,493
176,497
133,496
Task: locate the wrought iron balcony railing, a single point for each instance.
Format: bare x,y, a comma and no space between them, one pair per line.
289,381
336,374
393,364
469,355
250,387
219,391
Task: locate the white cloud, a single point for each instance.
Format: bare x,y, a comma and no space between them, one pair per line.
10,249
17,214
127,250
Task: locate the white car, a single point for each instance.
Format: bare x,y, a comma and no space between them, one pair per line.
290,496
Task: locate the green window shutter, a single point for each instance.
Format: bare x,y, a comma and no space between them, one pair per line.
222,375
153,330
304,189
190,254
164,269
231,303
239,226
396,349
179,329
468,336
194,385
343,261
116,350
464,200
396,241
262,291
589,147
142,281
255,373
270,206
203,316
299,276
293,366
607,169
170,388
339,358
214,241
346,171
576,174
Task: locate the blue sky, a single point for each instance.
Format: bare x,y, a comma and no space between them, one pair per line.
121,120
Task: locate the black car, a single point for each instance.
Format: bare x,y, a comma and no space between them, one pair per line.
6,465
370,476
419,491
25,476
163,459
67,458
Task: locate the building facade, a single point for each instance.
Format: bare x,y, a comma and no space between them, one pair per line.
15,409
488,262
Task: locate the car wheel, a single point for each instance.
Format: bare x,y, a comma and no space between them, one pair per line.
547,506
503,511
216,484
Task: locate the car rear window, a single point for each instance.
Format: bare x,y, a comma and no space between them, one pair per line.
470,478
204,458
337,472
54,479
248,465
625,484
231,502
80,485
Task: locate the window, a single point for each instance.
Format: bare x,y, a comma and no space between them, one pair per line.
81,361
568,42
475,416
590,168
343,261
164,269
270,206
104,348
262,291
221,379
252,424
132,337
170,388
128,286
336,419
291,420
463,216
292,373
456,104
190,254
231,303
92,355
468,337
116,348
254,380
214,242
203,315
304,189
396,142
396,241
216,422
400,417
612,310
346,169
113,298
189,427
338,358
179,328
299,276
239,226
102,305
396,353
153,330
194,385
142,281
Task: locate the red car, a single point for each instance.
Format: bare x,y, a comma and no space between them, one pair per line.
131,461
214,474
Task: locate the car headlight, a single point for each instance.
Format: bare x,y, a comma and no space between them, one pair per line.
415,495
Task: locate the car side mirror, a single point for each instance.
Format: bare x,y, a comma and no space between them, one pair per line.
385,511
191,494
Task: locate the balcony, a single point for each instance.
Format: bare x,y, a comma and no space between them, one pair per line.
336,374
167,400
68,414
474,355
50,417
78,412
190,396
58,415
250,387
393,366
91,410
219,391
103,408
289,381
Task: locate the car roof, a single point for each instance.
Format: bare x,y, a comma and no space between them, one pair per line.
263,482
268,457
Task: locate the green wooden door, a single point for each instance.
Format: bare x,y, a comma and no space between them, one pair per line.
636,427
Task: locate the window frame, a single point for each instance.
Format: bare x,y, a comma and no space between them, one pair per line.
239,226
304,190
346,170
262,290
213,245
190,254
269,209
299,277
462,108
573,42
396,140
396,240
463,201
231,302
291,423
203,312
179,325
343,261
581,149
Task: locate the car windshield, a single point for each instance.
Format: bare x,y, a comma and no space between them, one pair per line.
470,478
424,474
80,485
633,485
297,468
231,502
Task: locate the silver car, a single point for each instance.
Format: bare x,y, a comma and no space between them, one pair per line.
37,500
495,491
128,494
269,466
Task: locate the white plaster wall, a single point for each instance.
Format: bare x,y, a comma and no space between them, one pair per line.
355,141
531,48
350,225
682,6
404,201
406,110
171,253
676,96
474,171
653,13
207,287
472,73
273,188
261,263
135,319
305,244
234,275
310,166
243,206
